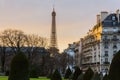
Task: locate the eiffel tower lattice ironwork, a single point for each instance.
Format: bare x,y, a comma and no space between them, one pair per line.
53,39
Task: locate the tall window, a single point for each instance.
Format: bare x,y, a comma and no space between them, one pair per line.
106,53
106,59
105,37
114,46
114,52
106,45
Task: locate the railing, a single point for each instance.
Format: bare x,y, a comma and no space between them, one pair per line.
106,39
106,55
114,39
106,62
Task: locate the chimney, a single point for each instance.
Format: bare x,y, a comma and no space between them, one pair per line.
117,13
104,14
98,18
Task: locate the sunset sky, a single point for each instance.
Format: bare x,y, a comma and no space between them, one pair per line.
74,17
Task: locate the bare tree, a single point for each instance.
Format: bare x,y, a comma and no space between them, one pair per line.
14,39
17,40
34,42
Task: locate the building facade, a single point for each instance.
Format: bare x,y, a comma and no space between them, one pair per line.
35,55
99,46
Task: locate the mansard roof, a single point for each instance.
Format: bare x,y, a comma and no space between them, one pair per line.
111,20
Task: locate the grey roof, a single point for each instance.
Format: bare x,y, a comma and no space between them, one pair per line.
40,50
109,22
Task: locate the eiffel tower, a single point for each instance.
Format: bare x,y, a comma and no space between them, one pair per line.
53,39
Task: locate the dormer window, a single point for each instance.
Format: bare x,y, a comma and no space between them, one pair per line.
113,18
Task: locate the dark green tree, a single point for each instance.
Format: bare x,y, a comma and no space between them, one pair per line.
68,73
106,77
56,75
19,69
88,74
71,77
76,73
96,76
3,57
80,77
114,72
34,71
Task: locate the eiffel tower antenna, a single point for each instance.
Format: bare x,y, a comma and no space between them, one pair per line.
53,5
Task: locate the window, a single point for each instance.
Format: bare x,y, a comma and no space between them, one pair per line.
95,54
105,37
106,46
106,70
98,45
113,23
113,18
115,29
95,59
106,59
106,53
114,46
114,37
114,52
104,30
94,48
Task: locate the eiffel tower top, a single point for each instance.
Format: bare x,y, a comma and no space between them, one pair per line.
53,13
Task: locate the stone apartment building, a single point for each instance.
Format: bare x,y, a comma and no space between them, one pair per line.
100,44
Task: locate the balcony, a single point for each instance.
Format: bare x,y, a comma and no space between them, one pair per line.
114,39
110,32
88,56
106,62
106,39
105,55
